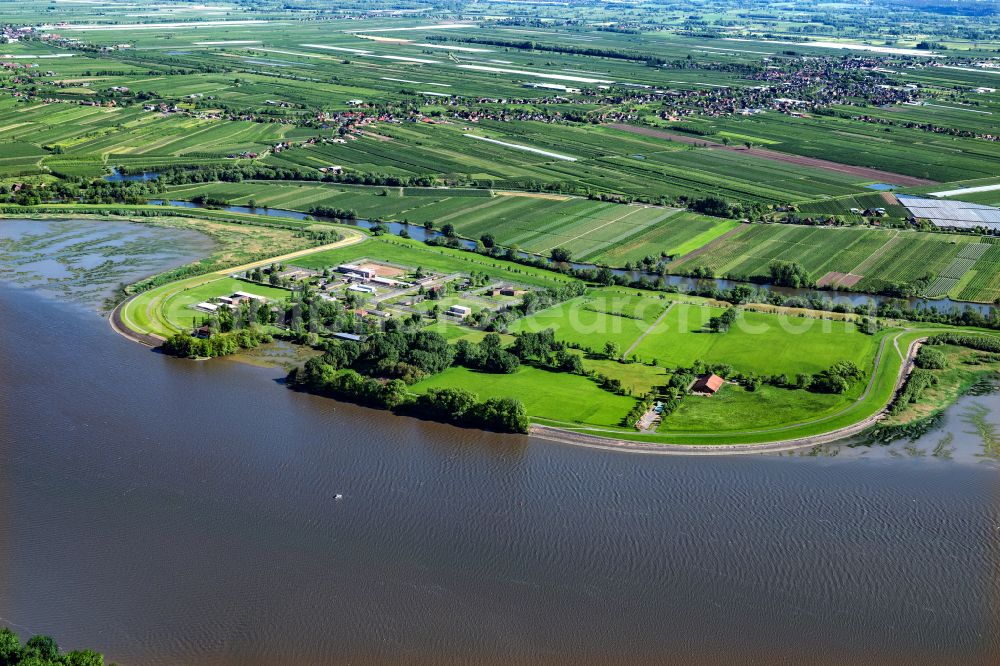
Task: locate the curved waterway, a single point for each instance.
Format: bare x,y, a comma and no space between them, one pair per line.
174,512
684,283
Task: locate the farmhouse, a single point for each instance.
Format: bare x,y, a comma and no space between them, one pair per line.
707,384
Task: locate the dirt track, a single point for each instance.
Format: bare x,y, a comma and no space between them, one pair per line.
767,154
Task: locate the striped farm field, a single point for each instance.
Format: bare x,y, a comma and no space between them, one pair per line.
591,230
879,257
984,285
676,236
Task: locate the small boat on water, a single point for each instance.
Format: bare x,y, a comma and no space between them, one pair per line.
338,496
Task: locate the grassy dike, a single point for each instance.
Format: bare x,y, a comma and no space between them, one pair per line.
153,312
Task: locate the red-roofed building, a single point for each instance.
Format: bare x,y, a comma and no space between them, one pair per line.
707,384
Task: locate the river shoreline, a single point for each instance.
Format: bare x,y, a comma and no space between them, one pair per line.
121,324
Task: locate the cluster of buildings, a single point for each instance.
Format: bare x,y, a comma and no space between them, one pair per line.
13,34
367,279
233,300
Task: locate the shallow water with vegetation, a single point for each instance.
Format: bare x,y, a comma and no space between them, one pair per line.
165,511
86,260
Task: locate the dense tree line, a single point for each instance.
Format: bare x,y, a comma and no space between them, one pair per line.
185,345
178,174
42,651
929,358
986,343
710,205
603,52
488,355
334,212
131,192
916,384
463,407
451,405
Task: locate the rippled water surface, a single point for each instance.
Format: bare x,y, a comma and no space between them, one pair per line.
173,512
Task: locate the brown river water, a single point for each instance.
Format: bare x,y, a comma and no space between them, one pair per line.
173,512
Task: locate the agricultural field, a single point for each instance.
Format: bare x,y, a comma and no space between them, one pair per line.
599,159
557,115
684,233
982,283
847,257
902,150
858,258
591,230
84,141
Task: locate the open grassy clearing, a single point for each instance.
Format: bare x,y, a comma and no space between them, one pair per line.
768,406
545,395
730,431
759,342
